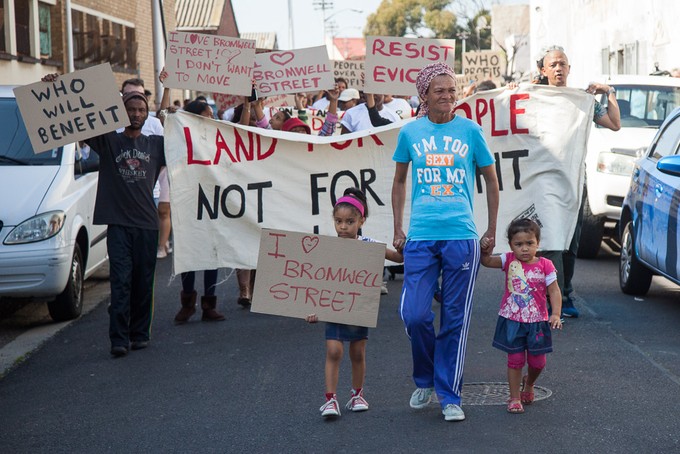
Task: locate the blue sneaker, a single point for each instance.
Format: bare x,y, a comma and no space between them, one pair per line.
421,397
453,412
570,312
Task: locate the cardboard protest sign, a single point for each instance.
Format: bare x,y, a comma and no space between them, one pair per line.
337,279
224,101
392,64
353,71
279,100
228,182
484,65
293,71
209,63
74,107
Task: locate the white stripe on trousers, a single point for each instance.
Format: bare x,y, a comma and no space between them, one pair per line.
462,343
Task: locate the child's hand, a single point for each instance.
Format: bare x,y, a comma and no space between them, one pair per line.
555,322
311,318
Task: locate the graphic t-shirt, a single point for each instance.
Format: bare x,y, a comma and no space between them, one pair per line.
525,296
128,170
444,160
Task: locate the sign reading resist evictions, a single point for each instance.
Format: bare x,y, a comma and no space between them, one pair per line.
209,63
338,279
295,71
74,107
392,64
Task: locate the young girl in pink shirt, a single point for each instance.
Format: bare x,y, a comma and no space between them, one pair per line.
523,327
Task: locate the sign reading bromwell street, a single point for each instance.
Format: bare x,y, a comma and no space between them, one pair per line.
337,279
74,107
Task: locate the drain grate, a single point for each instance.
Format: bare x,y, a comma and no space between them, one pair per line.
494,393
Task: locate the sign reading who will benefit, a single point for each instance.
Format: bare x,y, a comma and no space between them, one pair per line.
293,71
392,64
210,63
76,106
337,279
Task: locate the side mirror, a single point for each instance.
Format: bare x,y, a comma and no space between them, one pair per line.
669,165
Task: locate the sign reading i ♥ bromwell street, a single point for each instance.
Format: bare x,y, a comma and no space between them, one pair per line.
338,279
293,71
209,63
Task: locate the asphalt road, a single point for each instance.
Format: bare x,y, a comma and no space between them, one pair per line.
254,383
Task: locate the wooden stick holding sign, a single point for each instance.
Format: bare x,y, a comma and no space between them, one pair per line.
392,64
74,107
335,278
293,71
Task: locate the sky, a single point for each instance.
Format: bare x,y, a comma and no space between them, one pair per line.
272,16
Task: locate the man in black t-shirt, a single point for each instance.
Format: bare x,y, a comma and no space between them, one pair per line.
129,164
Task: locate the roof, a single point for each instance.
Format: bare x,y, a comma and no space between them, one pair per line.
350,48
263,40
198,14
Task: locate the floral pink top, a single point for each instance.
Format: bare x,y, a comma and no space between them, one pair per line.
525,296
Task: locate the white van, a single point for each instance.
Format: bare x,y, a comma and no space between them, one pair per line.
644,101
48,244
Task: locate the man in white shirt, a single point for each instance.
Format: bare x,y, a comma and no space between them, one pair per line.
398,105
357,119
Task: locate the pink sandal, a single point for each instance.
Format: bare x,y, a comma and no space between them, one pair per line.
515,406
527,397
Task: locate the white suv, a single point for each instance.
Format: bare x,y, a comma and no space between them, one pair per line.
645,101
48,245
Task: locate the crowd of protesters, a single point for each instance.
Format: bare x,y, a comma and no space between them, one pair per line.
138,219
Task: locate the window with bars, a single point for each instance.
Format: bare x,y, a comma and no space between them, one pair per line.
101,40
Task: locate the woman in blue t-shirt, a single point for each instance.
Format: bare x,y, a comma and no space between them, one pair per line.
445,151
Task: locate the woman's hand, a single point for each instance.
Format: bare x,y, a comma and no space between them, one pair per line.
555,322
311,318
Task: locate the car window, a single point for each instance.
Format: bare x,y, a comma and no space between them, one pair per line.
668,140
645,105
15,147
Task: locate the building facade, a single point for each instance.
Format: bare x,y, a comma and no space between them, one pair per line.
608,36
33,40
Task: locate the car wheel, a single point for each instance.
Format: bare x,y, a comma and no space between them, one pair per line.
634,277
69,303
590,241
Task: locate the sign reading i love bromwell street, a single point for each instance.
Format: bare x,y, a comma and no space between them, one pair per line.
295,71
209,63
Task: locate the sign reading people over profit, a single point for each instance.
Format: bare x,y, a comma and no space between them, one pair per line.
337,279
484,65
222,64
353,71
228,182
392,64
293,71
74,107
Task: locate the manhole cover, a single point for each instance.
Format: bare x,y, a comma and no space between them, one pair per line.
494,393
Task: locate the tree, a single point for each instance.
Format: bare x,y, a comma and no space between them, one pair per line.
433,19
421,18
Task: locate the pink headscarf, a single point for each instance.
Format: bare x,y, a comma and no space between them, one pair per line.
424,79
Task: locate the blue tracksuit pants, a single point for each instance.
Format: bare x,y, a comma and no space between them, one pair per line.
438,360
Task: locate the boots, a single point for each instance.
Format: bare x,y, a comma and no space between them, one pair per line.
208,304
188,307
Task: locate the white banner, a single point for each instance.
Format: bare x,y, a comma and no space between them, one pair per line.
228,181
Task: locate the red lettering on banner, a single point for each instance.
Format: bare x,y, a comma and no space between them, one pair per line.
221,145
494,132
190,150
514,111
481,109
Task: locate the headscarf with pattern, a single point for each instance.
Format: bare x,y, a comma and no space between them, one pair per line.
424,80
